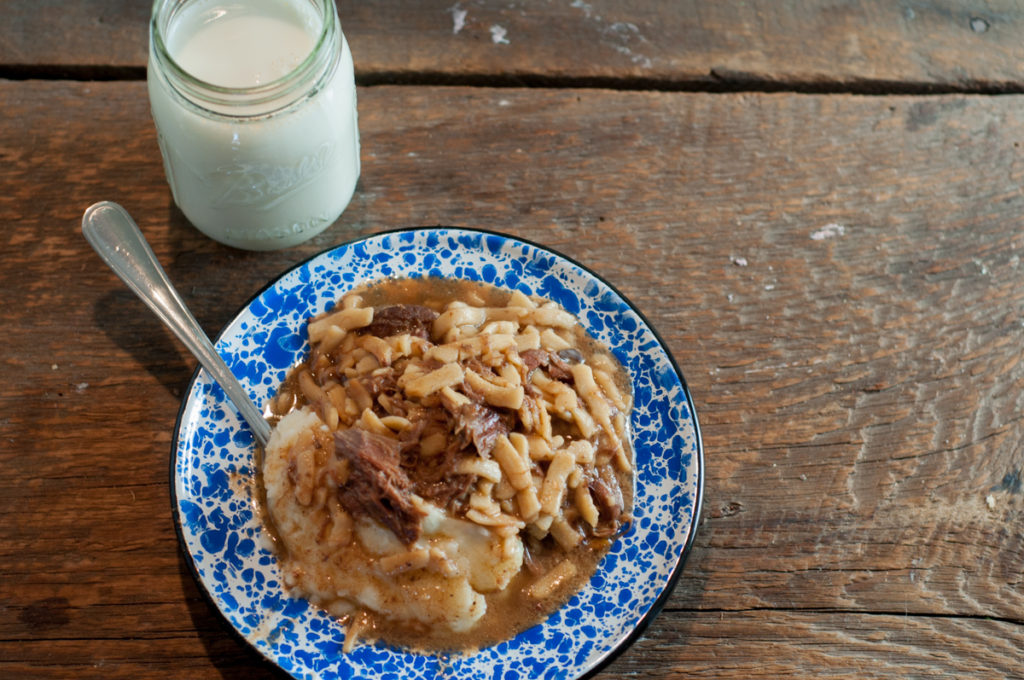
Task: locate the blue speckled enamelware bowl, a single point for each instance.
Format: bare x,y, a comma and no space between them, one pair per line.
213,465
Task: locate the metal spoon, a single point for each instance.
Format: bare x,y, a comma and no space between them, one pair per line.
114,235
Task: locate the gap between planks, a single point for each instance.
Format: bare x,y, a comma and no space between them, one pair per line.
714,82
845,612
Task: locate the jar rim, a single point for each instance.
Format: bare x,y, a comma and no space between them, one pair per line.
222,95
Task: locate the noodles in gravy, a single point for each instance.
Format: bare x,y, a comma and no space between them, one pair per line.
448,465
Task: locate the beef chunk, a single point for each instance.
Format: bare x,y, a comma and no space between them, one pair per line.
397,319
377,485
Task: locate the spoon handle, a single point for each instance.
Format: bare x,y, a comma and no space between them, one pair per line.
114,235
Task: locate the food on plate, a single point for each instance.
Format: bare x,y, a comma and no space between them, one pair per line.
449,464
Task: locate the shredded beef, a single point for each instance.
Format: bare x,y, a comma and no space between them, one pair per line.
478,423
532,565
570,354
446,490
556,365
397,319
482,425
409,439
608,495
381,383
377,485
532,358
433,477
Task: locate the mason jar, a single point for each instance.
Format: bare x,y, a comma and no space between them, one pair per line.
254,103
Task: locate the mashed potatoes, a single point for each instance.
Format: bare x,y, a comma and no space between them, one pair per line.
345,563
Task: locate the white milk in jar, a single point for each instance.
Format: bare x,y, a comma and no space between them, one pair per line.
255,108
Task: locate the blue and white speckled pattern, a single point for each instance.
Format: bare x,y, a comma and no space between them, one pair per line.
214,463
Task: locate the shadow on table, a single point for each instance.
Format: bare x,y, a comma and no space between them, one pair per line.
214,280
135,329
211,279
229,653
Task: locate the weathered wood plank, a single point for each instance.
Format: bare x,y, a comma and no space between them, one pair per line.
853,45
759,644
852,646
839,278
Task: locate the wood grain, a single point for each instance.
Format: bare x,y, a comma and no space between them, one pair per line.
874,45
852,646
839,278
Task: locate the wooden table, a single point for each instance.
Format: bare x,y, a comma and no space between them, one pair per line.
818,204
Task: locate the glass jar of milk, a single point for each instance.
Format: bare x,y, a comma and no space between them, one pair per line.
255,109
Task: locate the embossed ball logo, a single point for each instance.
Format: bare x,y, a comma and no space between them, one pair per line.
265,185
